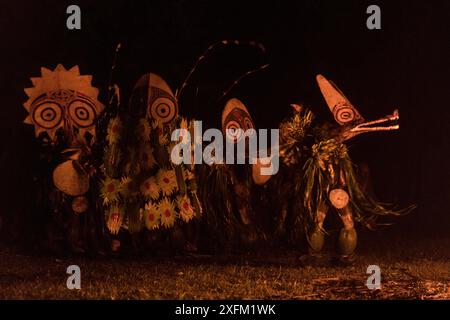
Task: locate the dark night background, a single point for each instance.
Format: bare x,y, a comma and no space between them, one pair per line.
404,65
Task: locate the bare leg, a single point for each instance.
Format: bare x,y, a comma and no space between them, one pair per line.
281,220
347,237
347,218
321,215
242,201
316,239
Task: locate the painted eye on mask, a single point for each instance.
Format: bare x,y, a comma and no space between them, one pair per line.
236,120
344,113
162,109
47,115
233,130
248,124
82,113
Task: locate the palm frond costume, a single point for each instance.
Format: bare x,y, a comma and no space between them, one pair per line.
63,108
226,189
143,188
317,173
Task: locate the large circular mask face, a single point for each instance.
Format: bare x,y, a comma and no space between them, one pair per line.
61,101
47,115
235,121
51,111
82,113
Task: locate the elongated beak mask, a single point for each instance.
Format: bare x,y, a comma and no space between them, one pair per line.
351,121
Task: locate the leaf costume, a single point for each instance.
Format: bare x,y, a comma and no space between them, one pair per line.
63,108
317,174
142,188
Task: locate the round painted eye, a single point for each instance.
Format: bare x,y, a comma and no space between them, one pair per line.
162,109
82,113
344,113
248,124
47,115
233,130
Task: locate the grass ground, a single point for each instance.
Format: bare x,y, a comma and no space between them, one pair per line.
418,271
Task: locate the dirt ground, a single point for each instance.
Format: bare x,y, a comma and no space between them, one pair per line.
408,271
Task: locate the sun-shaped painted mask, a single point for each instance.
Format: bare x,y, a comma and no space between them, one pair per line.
63,99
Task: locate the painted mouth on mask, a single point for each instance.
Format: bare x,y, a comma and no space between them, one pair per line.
387,123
